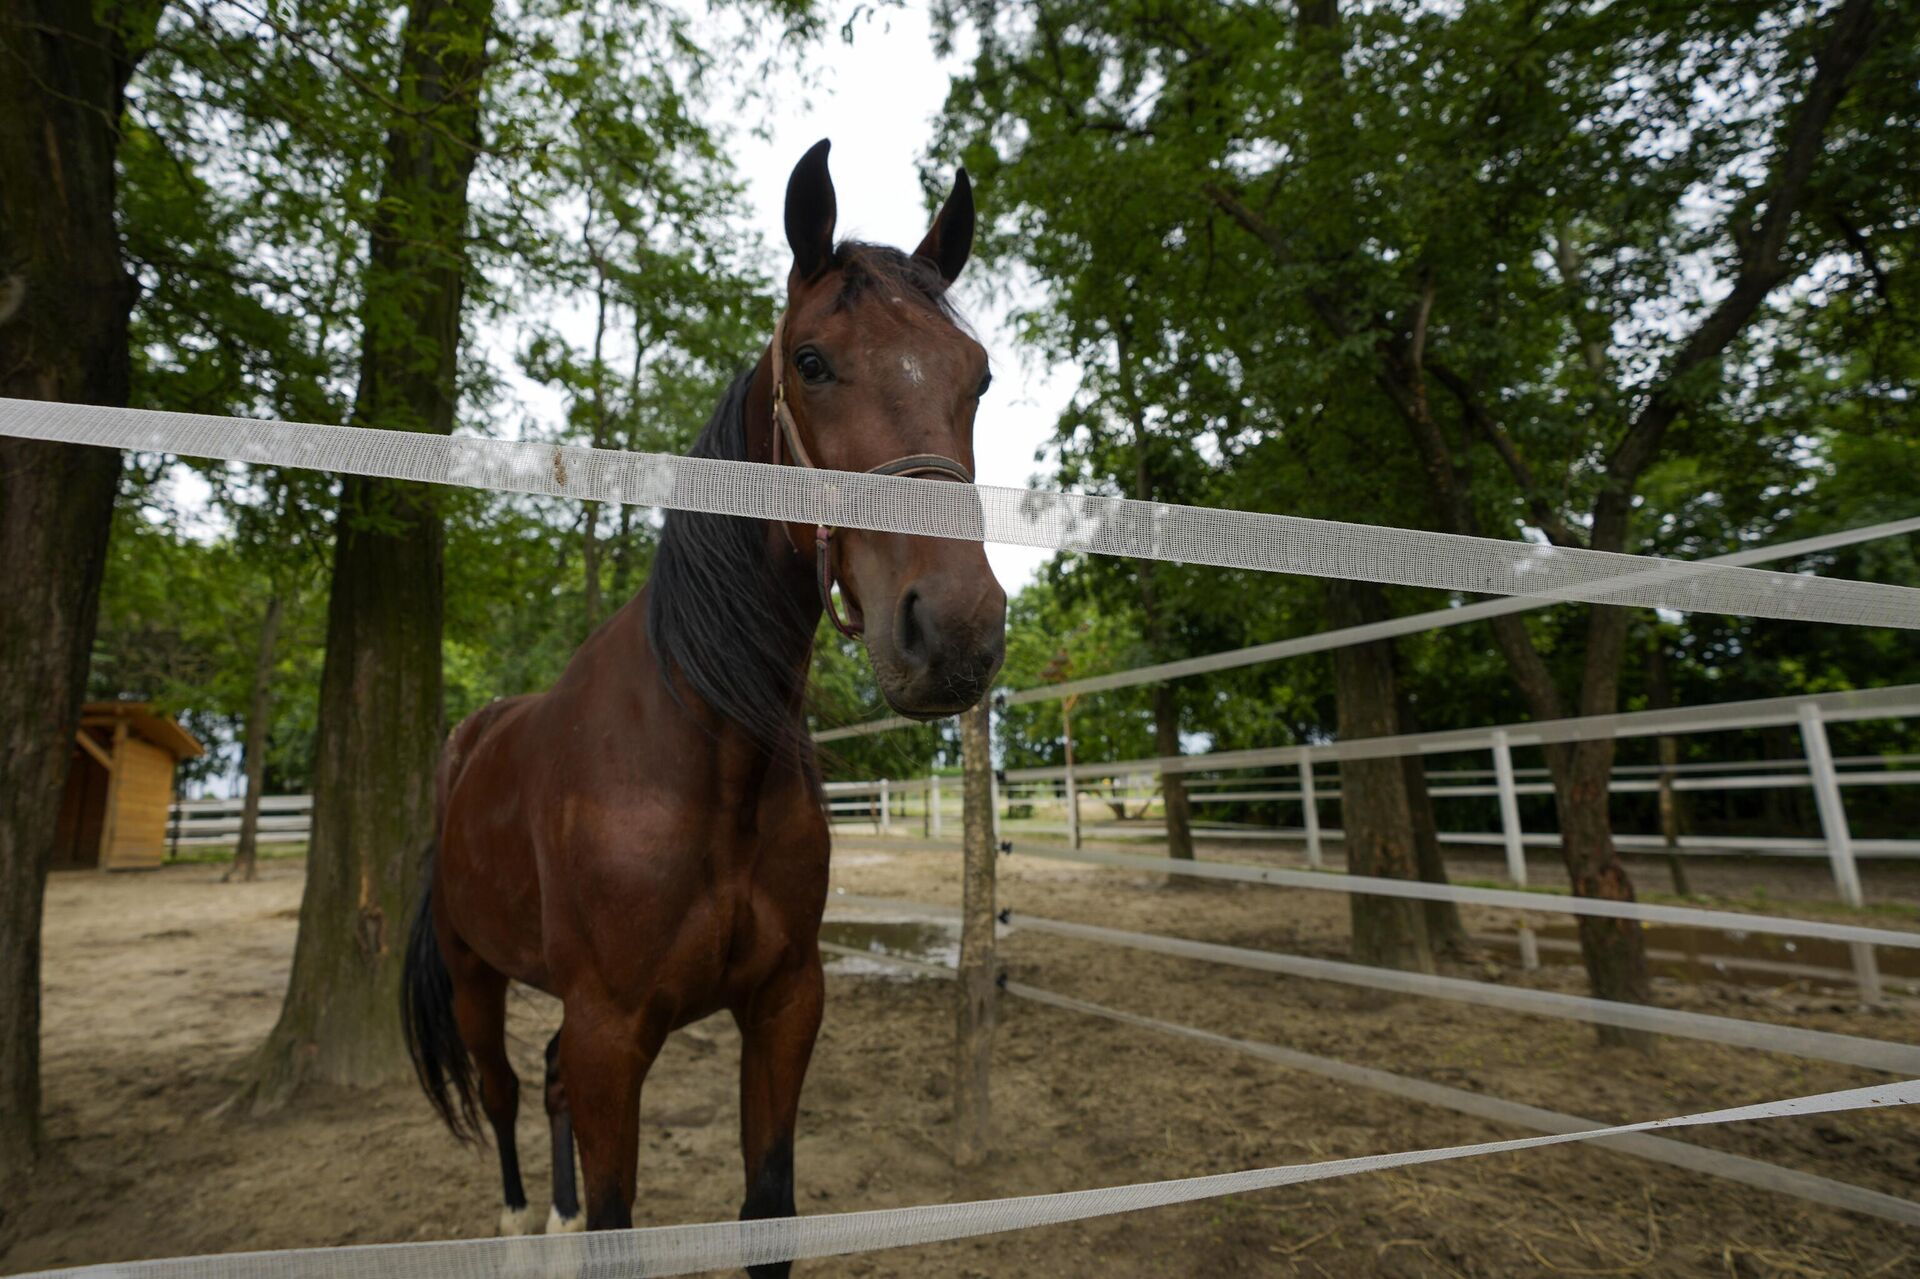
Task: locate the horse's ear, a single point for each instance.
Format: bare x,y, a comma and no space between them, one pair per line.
811,212
950,239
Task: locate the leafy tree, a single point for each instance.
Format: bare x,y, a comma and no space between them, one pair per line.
1541,240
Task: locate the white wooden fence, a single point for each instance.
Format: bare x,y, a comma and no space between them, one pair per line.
284,819
1308,775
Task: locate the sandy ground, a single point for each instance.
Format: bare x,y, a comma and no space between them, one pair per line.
159,984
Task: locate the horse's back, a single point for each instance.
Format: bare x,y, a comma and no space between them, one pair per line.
468,734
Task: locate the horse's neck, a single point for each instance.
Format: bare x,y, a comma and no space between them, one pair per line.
787,587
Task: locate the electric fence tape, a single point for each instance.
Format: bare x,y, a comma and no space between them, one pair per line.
1053,520
674,1250
1365,633
1676,1154
1891,1056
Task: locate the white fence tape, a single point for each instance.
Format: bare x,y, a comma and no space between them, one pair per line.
1700,1159
1691,846
1505,899
1817,1045
1058,521
677,1250
1900,701
1678,1154
1368,632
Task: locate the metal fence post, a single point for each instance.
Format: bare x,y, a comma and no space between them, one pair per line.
933,806
1833,824
1310,808
973,1042
886,806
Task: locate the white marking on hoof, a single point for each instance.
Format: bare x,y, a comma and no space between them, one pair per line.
520,1221
558,1225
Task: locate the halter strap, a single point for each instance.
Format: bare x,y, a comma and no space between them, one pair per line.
923,465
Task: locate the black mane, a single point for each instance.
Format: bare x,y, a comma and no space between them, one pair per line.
716,615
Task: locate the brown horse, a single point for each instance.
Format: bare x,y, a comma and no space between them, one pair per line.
646,840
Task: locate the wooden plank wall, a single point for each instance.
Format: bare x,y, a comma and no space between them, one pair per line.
142,796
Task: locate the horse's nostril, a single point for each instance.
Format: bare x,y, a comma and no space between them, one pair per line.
910,635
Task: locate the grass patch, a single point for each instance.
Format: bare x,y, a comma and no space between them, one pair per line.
221,854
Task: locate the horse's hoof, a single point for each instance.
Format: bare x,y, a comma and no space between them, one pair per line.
558,1225
520,1221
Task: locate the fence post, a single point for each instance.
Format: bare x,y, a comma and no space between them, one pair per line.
1310,807
933,807
1509,809
1833,824
1511,835
974,1038
886,806
1073,792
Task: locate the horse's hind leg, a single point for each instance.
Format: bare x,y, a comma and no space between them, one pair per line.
565,1215
480,1008
777,1028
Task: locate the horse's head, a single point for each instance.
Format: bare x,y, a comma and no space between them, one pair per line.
874,373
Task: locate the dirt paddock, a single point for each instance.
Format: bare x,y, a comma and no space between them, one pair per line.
159,984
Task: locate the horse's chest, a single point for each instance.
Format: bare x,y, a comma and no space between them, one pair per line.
757,913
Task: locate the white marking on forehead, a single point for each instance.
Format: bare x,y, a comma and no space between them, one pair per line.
911,367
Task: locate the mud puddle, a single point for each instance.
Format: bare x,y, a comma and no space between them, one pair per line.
926,941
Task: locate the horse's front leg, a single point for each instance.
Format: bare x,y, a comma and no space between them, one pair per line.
777,1028
604,1058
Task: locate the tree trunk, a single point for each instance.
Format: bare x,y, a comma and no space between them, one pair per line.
623,557
1388,932
380,724
1614,950
1444,930
64,304
253,755
590,535
1166,708
1173,786
590,563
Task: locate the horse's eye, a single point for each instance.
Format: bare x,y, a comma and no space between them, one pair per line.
812,367
986,380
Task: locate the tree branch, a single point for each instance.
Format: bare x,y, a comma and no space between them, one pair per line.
1764,262
1277,243
1475,411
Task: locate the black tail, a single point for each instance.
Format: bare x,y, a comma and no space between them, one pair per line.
440,1059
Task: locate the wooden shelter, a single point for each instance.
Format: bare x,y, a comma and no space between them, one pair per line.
120,787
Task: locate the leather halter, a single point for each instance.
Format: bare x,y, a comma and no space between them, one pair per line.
914,464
